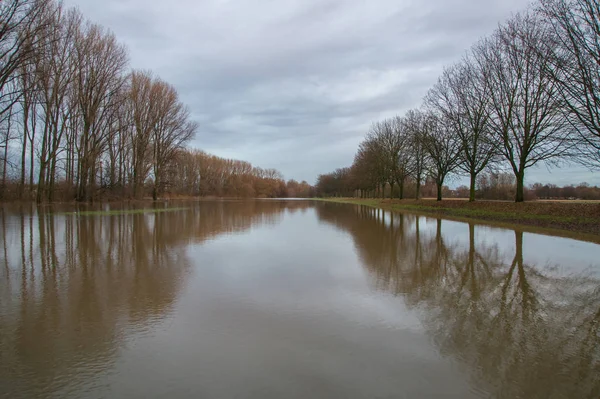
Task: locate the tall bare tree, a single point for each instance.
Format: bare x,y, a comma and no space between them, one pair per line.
172,130
404,161
415,128
102,62
442,147
144,101
462,96
20,24
526,104
575,67
55,67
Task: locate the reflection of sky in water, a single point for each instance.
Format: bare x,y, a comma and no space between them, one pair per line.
285,302
288,308
301,270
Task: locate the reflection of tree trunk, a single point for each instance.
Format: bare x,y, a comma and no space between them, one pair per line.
31,269
42,235
23,260
523,288
417,241
52,243
469,272
471,244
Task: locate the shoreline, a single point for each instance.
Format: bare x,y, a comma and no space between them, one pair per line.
580,220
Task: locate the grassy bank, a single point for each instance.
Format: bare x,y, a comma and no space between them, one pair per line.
579,218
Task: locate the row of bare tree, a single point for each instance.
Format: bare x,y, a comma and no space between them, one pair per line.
73,117
527,94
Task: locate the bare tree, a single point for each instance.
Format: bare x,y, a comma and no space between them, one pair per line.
173,129
143,98
415,128
404,157
575,67
462,95
7,134
102,62
368,166
442,148
55,67
20,24
526,119
375,163
386,138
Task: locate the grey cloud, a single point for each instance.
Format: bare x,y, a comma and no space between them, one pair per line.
295,84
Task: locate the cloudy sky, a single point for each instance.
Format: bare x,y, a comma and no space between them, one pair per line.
295,84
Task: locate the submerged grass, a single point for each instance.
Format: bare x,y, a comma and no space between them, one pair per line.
114,212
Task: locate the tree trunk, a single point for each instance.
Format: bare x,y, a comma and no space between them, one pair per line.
401,189
52,174
5,161
24,149
439,190
91,193
418,189
472,188
520,196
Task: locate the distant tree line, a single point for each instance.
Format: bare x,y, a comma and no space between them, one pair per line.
528,94
501,186
77,123
197,173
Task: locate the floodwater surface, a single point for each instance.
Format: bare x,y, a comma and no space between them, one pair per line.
290,299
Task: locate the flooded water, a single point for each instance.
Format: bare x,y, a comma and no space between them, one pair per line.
291,299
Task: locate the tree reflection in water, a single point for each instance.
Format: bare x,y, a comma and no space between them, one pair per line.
75,289
522,330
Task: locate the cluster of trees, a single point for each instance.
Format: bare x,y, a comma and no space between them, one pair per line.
551,191
527,94
197,173
77,123
76,115
343,182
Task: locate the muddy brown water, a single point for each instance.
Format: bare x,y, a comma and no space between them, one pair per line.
291,299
